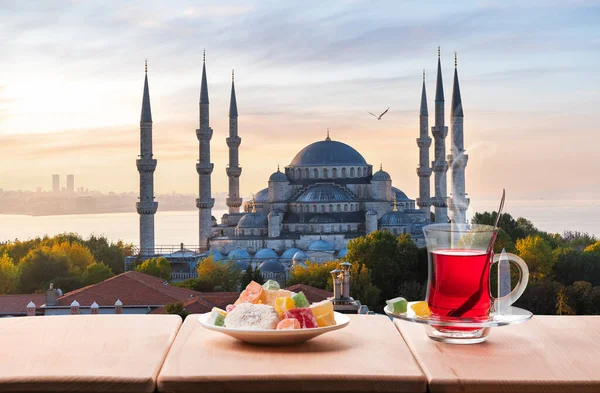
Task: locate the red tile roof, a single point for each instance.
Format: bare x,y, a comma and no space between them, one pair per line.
17,304
132,288
313,294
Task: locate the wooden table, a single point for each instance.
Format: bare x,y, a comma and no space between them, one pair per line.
367,356
84,353
547,354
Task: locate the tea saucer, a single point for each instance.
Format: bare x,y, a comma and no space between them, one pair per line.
514,315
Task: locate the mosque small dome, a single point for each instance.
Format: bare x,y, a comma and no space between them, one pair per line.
381,175
262,196
300,256
266,253
271,266
320,245
252,220
279,177
342,253
371,213
238,253
325,193
328,153
242,265
216,255
289,253
393,219
400,195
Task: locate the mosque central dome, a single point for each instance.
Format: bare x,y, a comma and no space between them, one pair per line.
328,153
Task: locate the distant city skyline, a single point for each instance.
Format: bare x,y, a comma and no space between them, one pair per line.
72,79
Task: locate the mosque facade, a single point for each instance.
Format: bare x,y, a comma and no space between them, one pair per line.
327,195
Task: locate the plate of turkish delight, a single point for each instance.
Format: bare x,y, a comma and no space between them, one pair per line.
268,315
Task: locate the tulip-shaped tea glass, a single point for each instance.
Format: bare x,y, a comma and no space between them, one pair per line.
458,290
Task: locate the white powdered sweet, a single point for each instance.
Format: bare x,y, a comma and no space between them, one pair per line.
252,316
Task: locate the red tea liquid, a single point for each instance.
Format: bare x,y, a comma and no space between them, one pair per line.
460,283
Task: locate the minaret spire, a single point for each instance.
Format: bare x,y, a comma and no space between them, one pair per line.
233,170
424,143
204,167
457,160
146,165
328,138
439,165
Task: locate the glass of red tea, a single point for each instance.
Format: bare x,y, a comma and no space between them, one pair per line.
458,290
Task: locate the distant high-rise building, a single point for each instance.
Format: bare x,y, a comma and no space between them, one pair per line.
71,183
55,183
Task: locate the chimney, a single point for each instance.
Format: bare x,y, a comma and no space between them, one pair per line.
75,308
346,279
51,296
118,307
31,309
337,284
94,308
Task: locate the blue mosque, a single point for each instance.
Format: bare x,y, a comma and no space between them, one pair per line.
326,196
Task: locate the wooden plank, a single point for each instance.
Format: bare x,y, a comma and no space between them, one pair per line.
547,354
367,356
84,353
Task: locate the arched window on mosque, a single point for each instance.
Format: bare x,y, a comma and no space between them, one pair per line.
314,208
306,173
345,207
343,172
334,173
325,173
322,208
351,172
338,207
316,173
312,228
330,208
299,173
358,172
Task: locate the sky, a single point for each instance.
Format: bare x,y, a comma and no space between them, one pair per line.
71,80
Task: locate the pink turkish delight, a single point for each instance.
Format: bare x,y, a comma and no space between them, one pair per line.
304,316
230,307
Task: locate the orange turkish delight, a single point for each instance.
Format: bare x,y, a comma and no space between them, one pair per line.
288,323
252,294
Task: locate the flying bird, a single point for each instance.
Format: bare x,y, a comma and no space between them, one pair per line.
379,117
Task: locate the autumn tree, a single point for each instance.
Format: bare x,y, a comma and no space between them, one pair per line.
314,274
79,256
9,275
221,276
593,248
157,267
536,252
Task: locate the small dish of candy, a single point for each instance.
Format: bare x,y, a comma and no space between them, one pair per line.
268,315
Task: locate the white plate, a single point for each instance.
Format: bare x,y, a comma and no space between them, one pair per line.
276,337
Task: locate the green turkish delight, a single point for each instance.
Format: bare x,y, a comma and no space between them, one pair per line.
397,305
217,317
271,285
300,300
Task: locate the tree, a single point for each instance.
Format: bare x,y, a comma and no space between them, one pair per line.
540,297
392,261
111,254
593,248
95,273
9,275
362,287
503,242
537,254
18,249
217,276
562,304
67,283
79,256
176,308
39,267
579,297
249,275
314,274
571,265
578,240
157,267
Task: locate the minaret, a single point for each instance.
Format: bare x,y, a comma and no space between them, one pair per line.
146,165
424,142
234,201
204,167
440,167
457,159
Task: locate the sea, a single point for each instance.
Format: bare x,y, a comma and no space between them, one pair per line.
176,227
